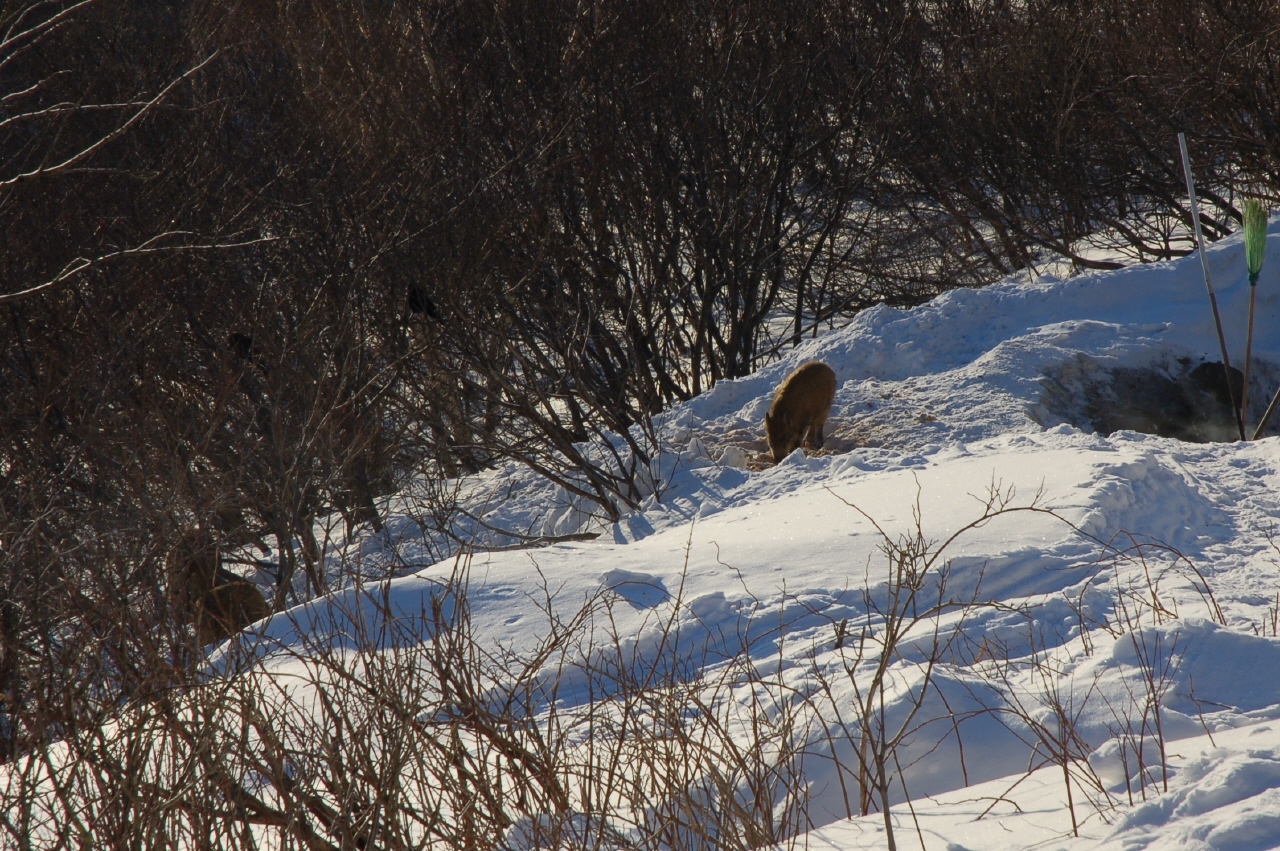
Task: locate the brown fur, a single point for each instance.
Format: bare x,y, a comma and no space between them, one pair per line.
219,603
800,408
227,608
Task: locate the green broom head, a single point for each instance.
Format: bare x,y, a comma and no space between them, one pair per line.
1255,235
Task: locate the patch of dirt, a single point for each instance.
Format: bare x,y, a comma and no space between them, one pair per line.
748,449
744,448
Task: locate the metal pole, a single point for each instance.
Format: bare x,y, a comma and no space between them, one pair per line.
1208,280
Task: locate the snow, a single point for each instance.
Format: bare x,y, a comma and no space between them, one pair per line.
938,409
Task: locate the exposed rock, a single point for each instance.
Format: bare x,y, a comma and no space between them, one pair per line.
1181,400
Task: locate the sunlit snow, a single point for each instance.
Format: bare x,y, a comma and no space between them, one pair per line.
937,408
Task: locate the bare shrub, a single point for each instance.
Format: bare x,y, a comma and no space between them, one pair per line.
915,625
1043,707
378,725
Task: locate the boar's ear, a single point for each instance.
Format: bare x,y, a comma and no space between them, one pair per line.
768,418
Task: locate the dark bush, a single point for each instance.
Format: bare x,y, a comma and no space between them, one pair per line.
263,262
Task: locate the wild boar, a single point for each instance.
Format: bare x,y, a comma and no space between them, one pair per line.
800,408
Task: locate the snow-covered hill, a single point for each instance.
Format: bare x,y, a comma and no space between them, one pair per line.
1127,594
